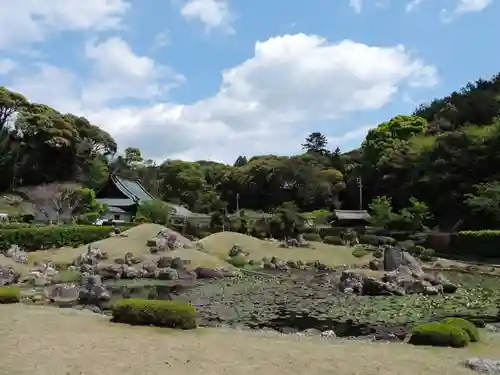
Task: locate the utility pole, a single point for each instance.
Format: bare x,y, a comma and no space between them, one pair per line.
238,204
360,186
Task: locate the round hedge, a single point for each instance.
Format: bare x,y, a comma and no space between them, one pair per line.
160,313
439,334
10,294
333,240
467,326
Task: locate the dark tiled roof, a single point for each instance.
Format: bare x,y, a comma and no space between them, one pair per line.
352,215
133,189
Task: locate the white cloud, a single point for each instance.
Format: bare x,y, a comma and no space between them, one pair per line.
463,7
162,39
357,5
119,73
6,66
214,14
32,20
265,104
413,4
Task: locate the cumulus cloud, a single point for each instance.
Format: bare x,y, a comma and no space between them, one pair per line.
33,20
214,14
264,104
463,7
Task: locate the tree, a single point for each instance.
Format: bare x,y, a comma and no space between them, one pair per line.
241,161
485,200
154,211
381,213
316,142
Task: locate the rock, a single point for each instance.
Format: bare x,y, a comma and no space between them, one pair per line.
110,271
483,365
167,274
178,263
351,282
409,261
12,250
330,334
392,258
130,273
149,266
63,293
447,286
375,265
93,292
164,262
235,251
208,273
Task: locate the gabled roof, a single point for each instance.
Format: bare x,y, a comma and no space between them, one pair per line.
352,215
133,189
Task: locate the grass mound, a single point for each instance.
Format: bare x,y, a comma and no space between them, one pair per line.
469,327
439,334
159,313
10,294
219,244
134,242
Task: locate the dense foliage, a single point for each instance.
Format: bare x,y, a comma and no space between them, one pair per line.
46,237
435,167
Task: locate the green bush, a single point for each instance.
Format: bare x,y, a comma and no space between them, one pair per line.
481,243
371,239
426,255
87,218
330,231
467,326
333,240
238,261
312,237
360,252
10,294
49,236
439,334
160,313
416,250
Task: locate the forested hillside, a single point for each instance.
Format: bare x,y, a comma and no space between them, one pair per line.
445,154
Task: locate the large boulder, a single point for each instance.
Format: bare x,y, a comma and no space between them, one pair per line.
393,258
8,276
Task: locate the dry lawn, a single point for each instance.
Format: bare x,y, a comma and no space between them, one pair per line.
219,244
117,247
48,341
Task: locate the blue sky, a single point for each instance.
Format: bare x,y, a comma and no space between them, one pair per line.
213,79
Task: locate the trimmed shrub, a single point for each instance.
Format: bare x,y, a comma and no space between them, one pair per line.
467,326
369,239
333,240
330,231
51,236
439,334
10,294
416,250
160,313
481,243
312,237
238,261
360,252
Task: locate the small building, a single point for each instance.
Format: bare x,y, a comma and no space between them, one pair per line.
350,218
122,197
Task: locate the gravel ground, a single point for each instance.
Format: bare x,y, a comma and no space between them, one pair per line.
50,341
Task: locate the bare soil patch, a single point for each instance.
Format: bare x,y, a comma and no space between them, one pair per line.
47,341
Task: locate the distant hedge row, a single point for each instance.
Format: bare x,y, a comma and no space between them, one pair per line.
51,236
479,244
